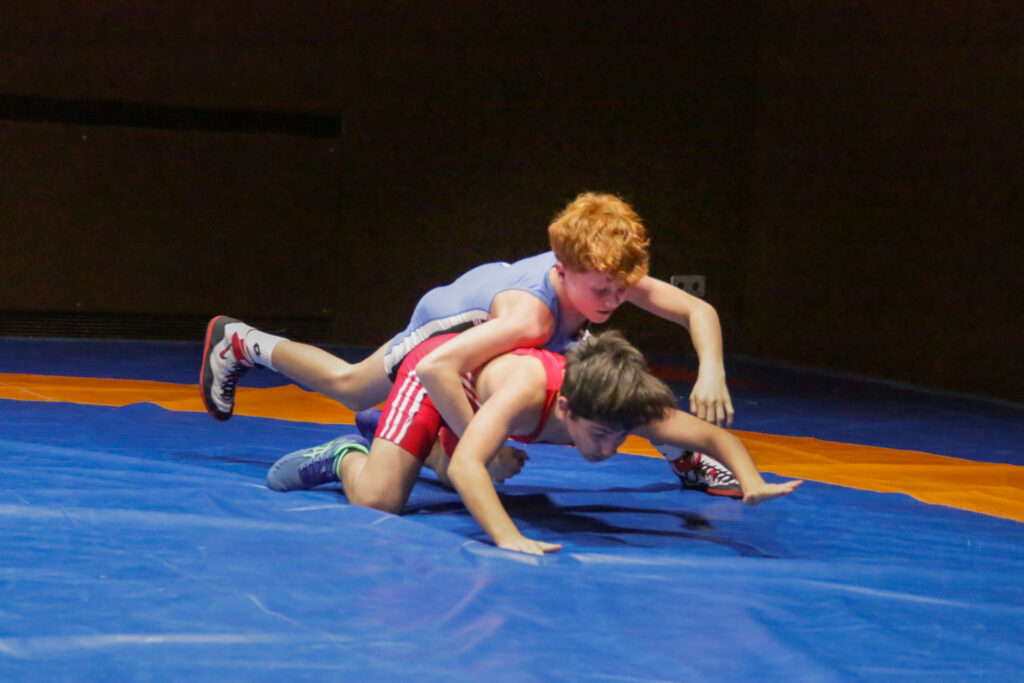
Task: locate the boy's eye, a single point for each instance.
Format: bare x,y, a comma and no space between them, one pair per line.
607,291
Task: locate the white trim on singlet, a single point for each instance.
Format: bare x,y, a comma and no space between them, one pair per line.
469,386
413,409
394,356
408,401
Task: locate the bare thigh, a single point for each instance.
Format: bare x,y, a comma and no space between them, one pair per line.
354,385
381,480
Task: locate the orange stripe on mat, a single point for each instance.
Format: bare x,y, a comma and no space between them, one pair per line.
285,403
989,488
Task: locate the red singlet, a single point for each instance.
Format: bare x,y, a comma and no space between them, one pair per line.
410,419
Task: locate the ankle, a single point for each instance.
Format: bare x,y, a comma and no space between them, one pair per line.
258,347
345,450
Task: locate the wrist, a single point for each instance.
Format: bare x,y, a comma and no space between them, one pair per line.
711,367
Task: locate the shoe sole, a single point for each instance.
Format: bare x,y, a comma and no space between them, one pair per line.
723,493
205,371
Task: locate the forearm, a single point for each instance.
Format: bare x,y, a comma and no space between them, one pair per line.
756,490
473,483
697,316
444,386
706,333
728,448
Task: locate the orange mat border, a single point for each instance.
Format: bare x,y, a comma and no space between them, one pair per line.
989,488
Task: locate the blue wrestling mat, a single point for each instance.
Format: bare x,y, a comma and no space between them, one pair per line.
140,543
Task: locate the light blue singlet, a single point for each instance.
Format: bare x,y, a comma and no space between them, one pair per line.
467,302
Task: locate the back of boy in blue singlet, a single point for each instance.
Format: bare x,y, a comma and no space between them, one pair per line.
467,302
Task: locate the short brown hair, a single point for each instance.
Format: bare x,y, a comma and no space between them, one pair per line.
606,380
600,232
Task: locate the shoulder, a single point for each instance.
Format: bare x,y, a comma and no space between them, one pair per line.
521,378
512,391
523,314
543,258
552,362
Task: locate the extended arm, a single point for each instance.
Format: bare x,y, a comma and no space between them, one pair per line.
709,399
497,418
686,431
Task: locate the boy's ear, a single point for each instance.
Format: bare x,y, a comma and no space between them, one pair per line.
559,269
563,404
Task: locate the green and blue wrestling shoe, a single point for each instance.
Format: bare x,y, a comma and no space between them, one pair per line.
312,467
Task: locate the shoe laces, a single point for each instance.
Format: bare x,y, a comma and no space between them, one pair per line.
319,468
713,474
317,451
236,369
227,387
316,465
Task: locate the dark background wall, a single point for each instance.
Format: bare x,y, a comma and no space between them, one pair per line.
845,173
887,203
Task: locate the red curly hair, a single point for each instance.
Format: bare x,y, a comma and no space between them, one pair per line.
600,232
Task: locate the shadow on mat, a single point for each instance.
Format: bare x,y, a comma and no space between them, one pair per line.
538,510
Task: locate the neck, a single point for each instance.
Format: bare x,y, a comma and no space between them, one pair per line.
555,431
571,317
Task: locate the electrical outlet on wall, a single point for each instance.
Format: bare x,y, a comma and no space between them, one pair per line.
691,284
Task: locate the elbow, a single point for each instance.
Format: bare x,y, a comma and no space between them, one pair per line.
457,472
434,368
704,317
465,472
706,310
428,370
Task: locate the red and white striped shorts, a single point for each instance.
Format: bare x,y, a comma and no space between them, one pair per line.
410,419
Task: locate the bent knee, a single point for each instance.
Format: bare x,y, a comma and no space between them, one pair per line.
383,501
354,390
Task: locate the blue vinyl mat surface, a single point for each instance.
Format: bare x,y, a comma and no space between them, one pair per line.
142,544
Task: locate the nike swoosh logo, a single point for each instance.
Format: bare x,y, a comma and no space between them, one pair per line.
224,353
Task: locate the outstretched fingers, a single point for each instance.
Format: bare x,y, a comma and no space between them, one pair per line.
530,546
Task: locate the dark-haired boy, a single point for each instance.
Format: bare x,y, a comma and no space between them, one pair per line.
593,398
